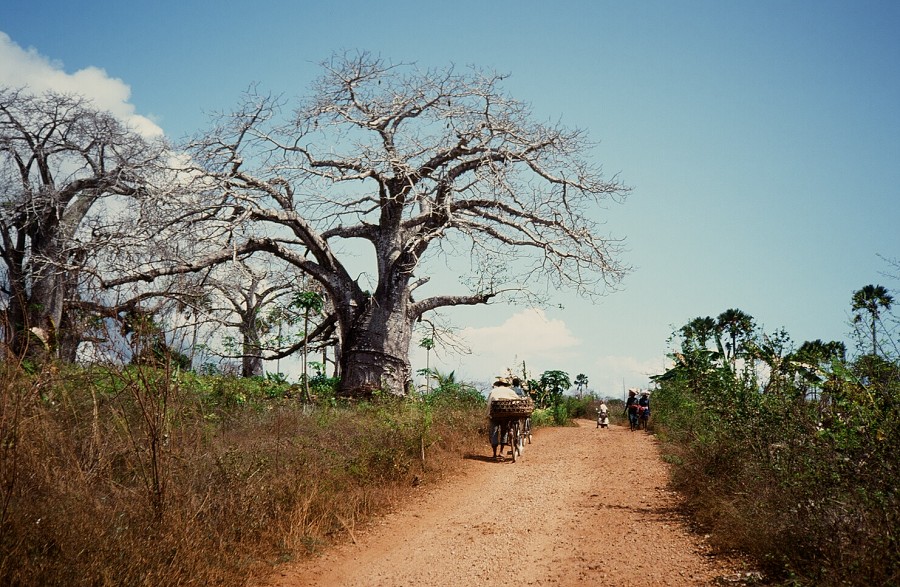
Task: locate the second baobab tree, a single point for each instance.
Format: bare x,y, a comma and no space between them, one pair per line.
417,165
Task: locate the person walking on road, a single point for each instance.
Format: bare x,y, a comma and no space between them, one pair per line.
631,408
644,407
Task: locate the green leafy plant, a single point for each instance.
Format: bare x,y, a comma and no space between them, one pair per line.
795,466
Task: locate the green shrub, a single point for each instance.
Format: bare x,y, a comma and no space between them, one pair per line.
808,487
455,394
543,417
560,412
579,407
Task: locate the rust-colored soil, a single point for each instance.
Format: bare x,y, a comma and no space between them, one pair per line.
583,506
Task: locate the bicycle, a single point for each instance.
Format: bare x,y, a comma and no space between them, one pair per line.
511,424
514,436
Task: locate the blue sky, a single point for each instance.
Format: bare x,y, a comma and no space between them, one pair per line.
761,139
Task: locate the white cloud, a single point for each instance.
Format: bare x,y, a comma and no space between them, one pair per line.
523,333
27,68
611,375
542,343
528,335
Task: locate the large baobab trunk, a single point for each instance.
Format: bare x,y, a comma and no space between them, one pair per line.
36,315
375,353
251,361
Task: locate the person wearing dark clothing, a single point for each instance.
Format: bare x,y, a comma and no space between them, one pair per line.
631,408
517,387
644,409
644,401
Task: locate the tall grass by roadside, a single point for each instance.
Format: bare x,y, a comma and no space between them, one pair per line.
807,486
148,476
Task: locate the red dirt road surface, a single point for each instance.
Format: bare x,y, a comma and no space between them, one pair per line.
583,506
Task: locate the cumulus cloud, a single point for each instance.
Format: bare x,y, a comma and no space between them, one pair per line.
543,343
529,335
26,68
525,333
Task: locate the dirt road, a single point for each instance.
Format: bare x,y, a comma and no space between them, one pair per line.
584,506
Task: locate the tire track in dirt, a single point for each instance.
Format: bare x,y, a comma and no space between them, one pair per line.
584,506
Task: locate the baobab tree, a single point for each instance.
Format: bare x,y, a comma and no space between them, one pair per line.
244,296
419,166
60,159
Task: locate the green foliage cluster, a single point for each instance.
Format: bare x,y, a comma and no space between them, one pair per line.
149,476
798,468
547,392
565,409
447,391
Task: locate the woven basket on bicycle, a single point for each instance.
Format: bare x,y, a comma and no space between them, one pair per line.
512,408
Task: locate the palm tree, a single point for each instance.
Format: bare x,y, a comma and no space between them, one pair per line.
581,381
736,324
443,380
773,350
814,361
308,301
816,352
697,333
871,299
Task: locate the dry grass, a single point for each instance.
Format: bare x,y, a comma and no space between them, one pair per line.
130,478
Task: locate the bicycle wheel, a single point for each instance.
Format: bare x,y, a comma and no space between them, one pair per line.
514,438
520,424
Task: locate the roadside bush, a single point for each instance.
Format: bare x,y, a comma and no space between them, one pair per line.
807,487
543,417
579,407
146,476
560,412
458,395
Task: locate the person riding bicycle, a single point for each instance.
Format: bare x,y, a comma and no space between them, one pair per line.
602,413
501,390
517,387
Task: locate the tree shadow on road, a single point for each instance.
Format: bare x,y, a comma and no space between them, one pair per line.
486,458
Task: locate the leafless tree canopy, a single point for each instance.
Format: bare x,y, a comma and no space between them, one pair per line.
422,166
415,163
60,158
